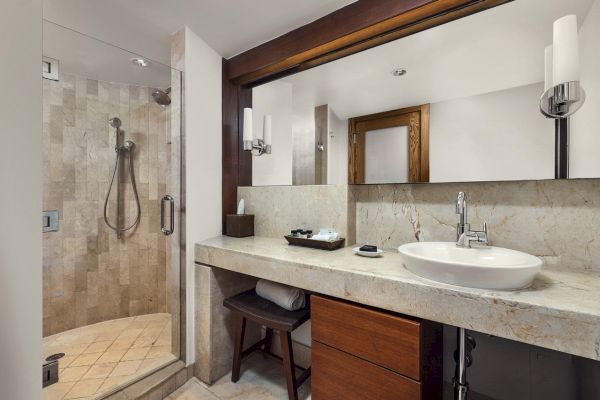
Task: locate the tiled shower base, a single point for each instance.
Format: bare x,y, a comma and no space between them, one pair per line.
101,357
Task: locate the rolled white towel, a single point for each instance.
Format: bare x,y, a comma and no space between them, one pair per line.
284,296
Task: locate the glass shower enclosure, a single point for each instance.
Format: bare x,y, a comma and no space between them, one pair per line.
112,188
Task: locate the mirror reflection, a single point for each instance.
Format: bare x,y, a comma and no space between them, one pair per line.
456,103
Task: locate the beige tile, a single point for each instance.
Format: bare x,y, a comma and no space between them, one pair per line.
86,359
152,332
111,356
57,391
151,363
143,342
75,349
126,368
158,351
72,374
98,347
123,343
99,371
112,382
131,333
108,335
65,361
84,388
163,340
136,354
192,390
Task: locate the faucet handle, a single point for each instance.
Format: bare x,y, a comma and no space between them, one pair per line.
485,239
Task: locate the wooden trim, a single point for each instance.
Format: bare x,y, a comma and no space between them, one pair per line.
356,27
236,163
417,120
424,143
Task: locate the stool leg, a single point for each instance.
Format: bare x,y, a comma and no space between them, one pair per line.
288,364
239,329
268,339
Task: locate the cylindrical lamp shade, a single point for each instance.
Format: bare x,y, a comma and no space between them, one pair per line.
267,130
565,50
248,135
548,68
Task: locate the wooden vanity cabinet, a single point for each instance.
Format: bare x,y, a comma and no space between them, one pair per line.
364,353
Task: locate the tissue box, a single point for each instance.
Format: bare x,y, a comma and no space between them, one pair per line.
239,225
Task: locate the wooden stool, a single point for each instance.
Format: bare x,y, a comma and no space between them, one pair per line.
248,305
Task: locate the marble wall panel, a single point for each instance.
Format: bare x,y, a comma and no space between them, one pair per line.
278,209
556,220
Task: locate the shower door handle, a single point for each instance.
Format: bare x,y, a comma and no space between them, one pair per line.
167,231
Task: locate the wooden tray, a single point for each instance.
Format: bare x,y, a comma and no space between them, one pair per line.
315,244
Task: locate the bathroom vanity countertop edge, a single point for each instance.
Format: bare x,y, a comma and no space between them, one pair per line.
560,311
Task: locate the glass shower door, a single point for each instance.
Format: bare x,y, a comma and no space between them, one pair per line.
111,281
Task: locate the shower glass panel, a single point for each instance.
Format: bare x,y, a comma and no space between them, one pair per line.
111,271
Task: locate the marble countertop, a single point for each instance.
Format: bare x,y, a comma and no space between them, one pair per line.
560,311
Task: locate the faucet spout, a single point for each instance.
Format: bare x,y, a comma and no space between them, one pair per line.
461,212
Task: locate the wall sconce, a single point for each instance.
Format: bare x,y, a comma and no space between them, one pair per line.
259,145
563,94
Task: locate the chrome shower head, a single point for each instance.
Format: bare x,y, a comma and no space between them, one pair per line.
115,122
162,97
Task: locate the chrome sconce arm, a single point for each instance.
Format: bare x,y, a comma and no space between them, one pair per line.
258,147
563,100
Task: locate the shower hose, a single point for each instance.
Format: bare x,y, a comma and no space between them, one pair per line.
119,150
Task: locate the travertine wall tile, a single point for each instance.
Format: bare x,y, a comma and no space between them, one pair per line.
90,275
278,209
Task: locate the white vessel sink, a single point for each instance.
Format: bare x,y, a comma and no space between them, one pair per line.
477,267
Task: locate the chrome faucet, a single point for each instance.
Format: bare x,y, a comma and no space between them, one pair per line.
464,235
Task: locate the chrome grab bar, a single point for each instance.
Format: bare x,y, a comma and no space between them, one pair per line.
171,229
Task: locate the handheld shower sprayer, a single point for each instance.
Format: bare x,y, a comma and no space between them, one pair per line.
125,148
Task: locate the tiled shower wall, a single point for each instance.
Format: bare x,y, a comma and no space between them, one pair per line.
89,274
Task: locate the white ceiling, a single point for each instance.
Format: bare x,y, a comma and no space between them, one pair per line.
81,55
494,50
228,26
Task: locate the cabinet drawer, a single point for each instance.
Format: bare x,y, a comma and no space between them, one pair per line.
384,339
338,375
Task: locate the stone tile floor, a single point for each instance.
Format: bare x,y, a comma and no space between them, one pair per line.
262,379
103,356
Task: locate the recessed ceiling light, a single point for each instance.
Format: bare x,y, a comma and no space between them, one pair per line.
399,72
140,62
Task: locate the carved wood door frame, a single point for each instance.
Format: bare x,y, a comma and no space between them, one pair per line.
415,118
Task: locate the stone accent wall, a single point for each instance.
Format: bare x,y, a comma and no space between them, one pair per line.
279,209
88,274
557,220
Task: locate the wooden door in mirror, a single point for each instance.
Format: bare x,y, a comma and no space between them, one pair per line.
415,152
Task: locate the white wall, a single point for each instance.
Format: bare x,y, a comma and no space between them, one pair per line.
585,124
337,166
274,99
495,136
21,200
202,82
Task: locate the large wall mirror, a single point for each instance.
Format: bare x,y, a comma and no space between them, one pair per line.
456,103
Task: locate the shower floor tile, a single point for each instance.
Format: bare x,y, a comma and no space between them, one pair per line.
101,357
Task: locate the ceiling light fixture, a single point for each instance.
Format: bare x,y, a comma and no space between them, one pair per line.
141,62
399,72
